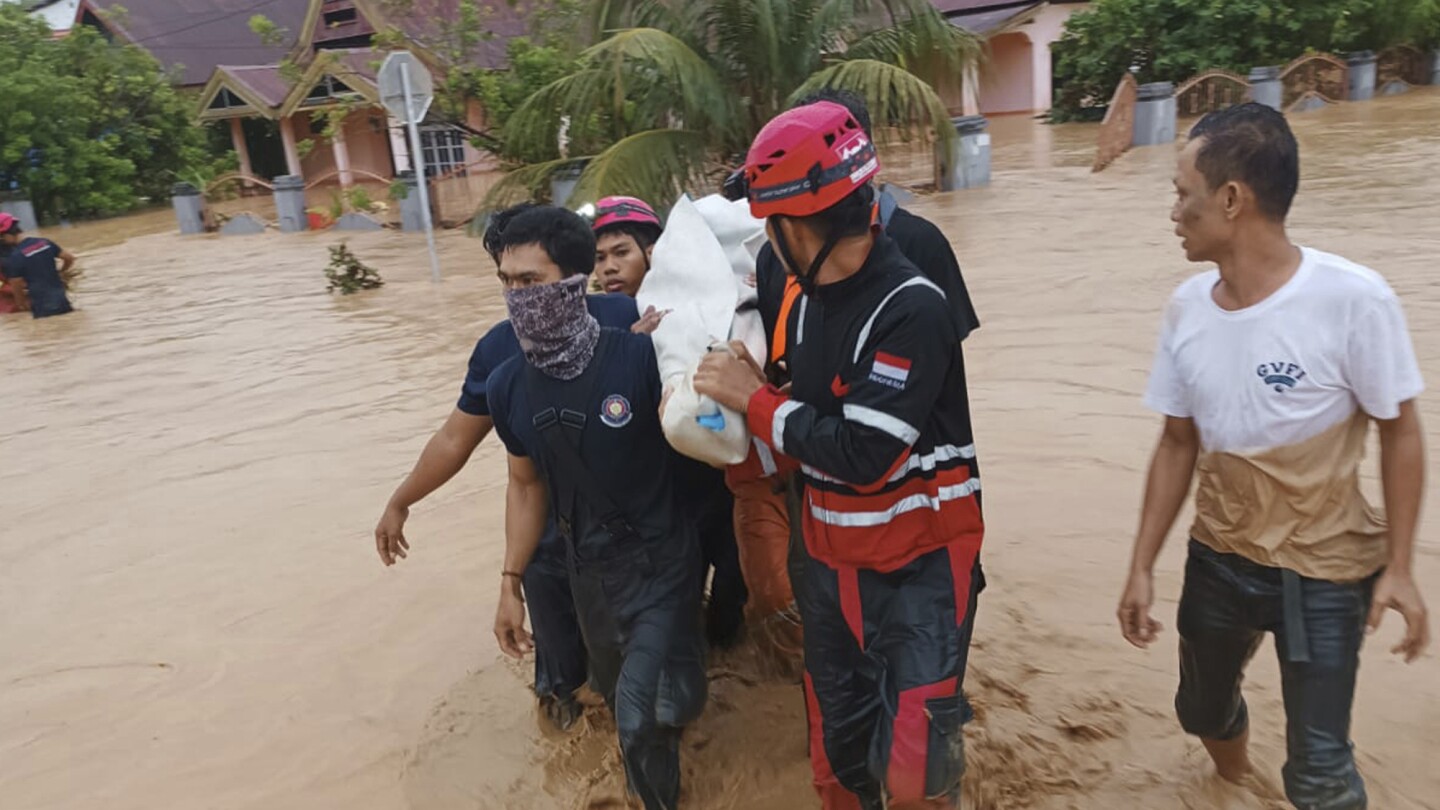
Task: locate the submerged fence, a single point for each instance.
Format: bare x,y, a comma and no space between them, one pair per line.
1306,83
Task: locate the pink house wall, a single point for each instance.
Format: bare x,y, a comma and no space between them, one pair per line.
1044,31
1019,76
1007,83
369,150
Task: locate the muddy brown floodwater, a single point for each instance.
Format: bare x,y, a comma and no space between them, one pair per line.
192,614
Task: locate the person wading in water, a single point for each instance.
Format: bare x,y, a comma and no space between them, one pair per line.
1269,372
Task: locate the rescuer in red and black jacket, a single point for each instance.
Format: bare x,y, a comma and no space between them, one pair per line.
878,419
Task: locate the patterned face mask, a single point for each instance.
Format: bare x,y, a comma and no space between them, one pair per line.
557,333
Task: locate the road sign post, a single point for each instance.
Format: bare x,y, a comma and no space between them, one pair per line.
406,90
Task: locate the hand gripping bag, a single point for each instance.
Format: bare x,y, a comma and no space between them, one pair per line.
698,272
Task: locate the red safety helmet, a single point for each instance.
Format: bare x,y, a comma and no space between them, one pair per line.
612,211
807,160
7,222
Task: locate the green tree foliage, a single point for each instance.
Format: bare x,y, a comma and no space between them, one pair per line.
674,90
87,127
530,68
151,124
546,55
1172,40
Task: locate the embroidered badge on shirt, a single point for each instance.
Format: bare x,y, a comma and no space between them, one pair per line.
615,411
890,370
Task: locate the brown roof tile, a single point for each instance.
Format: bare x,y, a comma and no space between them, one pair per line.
264,81
198,35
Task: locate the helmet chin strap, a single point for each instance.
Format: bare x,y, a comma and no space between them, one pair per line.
807,278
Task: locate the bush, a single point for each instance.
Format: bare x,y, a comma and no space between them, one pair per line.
347,274
1172,40
88,127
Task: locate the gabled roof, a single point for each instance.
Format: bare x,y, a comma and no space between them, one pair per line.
421,21
355,69
986,17
197,35
243,91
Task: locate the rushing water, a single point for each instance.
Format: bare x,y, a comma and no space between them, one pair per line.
192,615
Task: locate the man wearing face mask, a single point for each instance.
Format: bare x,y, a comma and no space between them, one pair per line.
560,661
579,416
877,417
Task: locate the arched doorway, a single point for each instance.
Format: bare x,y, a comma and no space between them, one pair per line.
1007,83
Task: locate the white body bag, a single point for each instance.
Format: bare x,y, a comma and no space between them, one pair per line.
698,272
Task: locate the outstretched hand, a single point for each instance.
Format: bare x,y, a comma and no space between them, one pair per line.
1399,593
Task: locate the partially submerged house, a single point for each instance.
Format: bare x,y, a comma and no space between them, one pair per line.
306,102
1018,76
279,99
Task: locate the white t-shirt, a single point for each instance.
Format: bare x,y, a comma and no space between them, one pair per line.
1293,366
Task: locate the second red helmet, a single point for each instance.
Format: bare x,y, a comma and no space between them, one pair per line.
808,159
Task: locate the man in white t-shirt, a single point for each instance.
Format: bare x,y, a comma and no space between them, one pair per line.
1268,372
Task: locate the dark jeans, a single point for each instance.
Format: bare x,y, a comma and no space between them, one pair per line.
640,615
1227,606
560,659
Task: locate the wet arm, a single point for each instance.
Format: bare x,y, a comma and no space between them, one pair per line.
444,456
67,261
526,508
20,291
1402,473
1171,469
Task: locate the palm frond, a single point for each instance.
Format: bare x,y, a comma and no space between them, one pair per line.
610,16
898,99
918,39
920,46
646,61
524,184
580,96
657,166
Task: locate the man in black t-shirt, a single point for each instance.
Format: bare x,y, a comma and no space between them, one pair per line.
579,416
30,267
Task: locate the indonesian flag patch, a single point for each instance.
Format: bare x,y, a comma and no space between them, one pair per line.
890,370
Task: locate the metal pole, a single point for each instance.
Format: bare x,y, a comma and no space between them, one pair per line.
417,162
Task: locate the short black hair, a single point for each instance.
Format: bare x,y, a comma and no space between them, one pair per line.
644,234
564,235
1252,144
845,98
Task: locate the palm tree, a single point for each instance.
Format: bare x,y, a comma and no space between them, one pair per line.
675,90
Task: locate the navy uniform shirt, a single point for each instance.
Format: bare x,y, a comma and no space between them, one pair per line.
500,344
621,443
34,260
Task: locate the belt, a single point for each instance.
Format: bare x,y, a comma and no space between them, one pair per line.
1292,599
